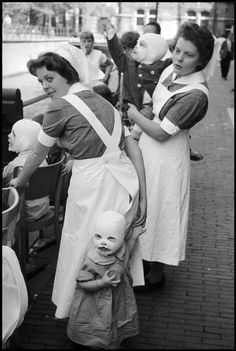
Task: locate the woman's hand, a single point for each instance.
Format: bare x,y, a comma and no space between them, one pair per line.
67,167
142,213
132,112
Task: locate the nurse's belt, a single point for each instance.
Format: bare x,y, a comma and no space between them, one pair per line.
111,141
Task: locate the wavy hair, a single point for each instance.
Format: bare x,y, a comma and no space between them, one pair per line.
56,63
201,37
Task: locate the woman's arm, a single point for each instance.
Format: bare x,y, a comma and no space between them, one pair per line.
151,128
32,163
134,153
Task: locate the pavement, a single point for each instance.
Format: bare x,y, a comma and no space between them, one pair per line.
195,308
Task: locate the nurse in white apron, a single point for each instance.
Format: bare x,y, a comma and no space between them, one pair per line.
103,177
180,100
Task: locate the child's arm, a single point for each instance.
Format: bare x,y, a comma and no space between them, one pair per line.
117,53
95,285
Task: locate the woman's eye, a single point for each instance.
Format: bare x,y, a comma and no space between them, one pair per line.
49,79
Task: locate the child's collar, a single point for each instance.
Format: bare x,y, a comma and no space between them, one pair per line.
95,256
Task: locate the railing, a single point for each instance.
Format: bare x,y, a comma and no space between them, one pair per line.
34,100
29,32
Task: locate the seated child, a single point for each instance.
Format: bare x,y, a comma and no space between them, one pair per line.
21,140
143,69
104,310
96,57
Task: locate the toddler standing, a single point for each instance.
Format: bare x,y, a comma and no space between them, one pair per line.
104,310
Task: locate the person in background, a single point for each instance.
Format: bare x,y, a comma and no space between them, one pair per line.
104,310
180,100
107,164
21,140
105,92
94,56
154,27
225,55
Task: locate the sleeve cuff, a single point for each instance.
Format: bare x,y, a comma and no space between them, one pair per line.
45,139
127,132
169,127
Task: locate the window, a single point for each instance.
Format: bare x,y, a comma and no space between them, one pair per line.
140,17
191,16
205,16
152,15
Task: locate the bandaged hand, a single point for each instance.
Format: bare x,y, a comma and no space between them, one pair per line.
109,30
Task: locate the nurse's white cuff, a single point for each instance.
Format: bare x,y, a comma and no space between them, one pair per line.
169,127
127,132
45,139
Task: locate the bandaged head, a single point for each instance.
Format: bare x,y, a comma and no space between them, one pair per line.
23,135
109,232
156,47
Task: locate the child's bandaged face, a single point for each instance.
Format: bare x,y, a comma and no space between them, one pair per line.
23,135
109,233
14,140
108,244
150,48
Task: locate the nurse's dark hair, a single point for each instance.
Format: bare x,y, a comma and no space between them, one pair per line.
56,63
201,37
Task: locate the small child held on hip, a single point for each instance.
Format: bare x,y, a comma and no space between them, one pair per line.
143,68
104,310
21,140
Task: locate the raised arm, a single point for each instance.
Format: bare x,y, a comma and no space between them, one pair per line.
117,53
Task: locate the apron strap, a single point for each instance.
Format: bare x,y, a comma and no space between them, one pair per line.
191,87
111,141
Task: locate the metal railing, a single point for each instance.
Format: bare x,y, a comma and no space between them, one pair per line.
30,32
34,100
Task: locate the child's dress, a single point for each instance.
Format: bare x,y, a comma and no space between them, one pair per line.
105,317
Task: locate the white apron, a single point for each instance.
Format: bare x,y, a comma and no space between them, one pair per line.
14,293
167,166
96,185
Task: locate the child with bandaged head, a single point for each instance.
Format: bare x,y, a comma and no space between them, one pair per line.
141,71
104,310
21,140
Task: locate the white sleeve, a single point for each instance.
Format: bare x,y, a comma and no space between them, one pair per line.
169,127
102,58
45,139
127,132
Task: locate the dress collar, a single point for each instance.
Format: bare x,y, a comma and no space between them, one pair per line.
95,256
194,78
77,87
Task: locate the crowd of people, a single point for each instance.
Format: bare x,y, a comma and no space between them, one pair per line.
128,199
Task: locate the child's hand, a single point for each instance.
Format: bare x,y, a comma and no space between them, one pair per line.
109,30
131,112
110,280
